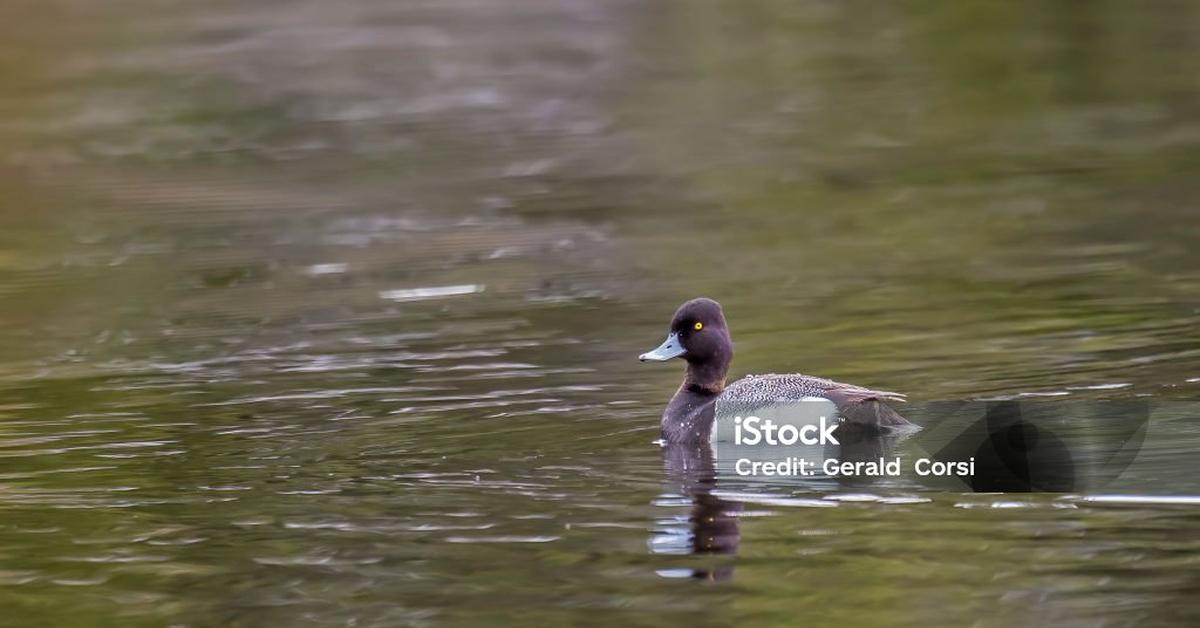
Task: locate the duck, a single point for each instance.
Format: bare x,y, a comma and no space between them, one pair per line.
700,336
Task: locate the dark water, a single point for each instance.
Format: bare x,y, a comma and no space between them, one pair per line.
326,313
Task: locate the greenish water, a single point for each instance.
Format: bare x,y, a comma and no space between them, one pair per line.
317,314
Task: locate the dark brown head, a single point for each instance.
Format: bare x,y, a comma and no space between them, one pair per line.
700,336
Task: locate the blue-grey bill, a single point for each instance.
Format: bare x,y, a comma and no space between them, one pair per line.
670,348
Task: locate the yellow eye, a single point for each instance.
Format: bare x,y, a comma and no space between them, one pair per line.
698,326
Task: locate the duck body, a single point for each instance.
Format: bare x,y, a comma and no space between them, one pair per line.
700,336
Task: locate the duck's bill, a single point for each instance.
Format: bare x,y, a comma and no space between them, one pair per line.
670,348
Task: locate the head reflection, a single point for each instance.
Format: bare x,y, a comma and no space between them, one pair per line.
711,526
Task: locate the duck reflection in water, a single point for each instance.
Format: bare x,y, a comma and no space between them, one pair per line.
714,521
713,524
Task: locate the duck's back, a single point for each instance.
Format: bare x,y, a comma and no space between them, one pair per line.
855,403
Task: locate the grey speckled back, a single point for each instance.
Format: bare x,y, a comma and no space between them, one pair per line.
756,391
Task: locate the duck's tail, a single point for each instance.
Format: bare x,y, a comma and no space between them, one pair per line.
877,413
867,408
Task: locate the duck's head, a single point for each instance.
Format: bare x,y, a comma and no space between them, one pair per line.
700,336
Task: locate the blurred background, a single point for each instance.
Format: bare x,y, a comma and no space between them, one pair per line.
327,313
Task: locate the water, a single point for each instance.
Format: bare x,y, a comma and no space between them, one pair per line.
328,315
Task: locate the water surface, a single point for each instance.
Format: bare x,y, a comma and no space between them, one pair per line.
328,315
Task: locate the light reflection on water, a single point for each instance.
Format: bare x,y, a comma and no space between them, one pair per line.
320,315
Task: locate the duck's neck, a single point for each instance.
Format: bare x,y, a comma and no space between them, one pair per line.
706,377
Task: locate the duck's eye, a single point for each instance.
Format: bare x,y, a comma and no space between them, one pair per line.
698,326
